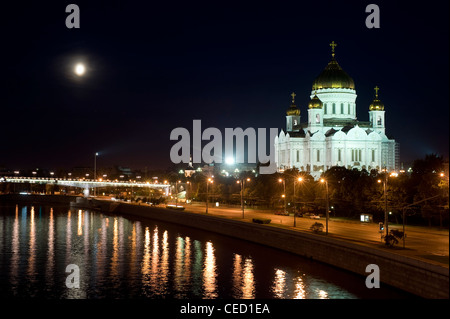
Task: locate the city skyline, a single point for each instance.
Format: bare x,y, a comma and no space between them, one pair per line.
150,69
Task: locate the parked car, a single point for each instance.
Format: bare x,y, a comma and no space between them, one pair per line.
282,213
312,216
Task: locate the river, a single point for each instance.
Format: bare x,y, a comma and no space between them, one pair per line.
126,258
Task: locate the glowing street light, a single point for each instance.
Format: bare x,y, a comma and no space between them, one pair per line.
176,192
229,161
282,180
299,179
209,180
95,172
242,182
327,215
386,214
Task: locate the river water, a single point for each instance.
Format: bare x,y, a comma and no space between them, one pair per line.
122,257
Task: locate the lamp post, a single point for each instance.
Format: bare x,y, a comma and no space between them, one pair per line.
95,172
188,194
242,182
209,180
327,215
295,205
282,180
386,220
176,193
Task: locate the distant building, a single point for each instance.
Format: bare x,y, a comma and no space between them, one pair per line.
332,135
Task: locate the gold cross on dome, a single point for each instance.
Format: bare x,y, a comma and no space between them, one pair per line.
293,97
333,45
376,91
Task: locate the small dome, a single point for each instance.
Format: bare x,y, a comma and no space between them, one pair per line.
376,105
315,103
293,109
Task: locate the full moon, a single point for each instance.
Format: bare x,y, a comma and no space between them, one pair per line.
80,69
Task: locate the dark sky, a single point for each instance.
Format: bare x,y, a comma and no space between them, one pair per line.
153,67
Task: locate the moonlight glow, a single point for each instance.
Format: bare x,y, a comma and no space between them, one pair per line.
80,69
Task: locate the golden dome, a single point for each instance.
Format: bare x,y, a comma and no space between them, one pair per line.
376,105
315,103
293,109
333,76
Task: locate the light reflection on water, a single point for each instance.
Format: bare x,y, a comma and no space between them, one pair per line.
124,258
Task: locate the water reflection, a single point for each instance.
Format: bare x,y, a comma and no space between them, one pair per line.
123,258
32,244
165,267
209,272
146,279
51,247
68,237
80,223
279,284
115,256
15,246
243,278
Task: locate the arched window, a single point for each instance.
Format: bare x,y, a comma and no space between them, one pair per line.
325,108
334,108
342,108
317,118
348,108
379,120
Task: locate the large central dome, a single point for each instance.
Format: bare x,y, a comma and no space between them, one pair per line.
333,77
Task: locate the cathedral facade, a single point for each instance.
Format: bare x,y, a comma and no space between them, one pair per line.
332,135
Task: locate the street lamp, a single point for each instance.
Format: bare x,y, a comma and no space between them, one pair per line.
282,180
176,192
386,220
95,172
299,179
327,215
209,180
188,194
242,182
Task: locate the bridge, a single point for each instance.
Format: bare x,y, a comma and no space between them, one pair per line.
86,184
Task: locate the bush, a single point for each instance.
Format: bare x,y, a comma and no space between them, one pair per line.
261,220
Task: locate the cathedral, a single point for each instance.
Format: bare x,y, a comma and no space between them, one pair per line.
332,135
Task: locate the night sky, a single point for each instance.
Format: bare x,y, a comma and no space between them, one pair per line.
152,67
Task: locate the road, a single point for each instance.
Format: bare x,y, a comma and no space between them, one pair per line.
428,244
